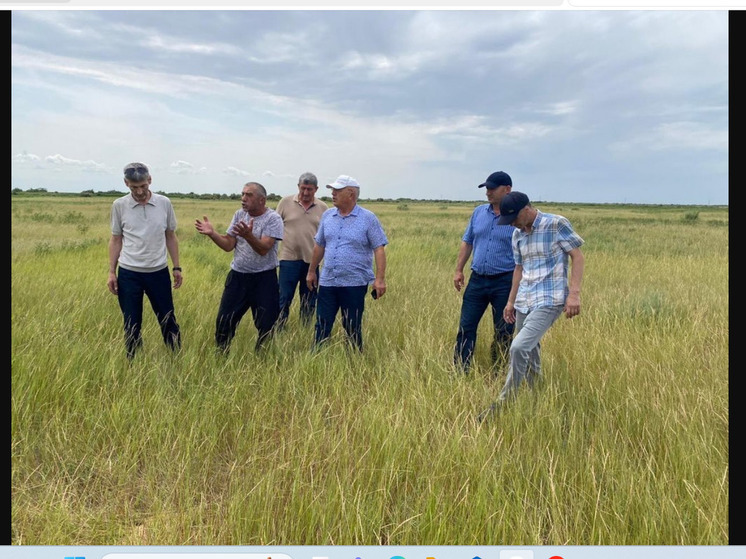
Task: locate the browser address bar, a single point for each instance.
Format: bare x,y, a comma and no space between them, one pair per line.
196,555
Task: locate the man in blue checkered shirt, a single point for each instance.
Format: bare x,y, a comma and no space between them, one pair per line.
546,283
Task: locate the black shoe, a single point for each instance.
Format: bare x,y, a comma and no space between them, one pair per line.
492,410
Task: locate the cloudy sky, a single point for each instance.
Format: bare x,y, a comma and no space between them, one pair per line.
577,106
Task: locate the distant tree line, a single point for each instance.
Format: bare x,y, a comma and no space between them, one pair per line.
109,193
401,201
192,195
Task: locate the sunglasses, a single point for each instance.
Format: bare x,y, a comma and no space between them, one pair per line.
139,170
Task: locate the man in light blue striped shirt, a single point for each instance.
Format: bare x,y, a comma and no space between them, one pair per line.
546,283
491,276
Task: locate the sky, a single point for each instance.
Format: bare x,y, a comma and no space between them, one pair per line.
576,106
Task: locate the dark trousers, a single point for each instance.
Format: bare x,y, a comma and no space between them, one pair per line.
258,292
293,275
133,287
350,301
480,292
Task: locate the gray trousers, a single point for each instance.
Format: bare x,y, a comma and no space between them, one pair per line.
525,350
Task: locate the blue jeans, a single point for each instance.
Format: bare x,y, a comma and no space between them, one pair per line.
525,351
133,287
292,276
480,292
351,302
242,292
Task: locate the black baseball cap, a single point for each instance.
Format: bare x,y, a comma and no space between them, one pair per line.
511,204
498,178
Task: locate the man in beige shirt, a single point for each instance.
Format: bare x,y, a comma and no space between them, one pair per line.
301,214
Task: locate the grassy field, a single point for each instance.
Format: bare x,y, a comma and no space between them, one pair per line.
624,443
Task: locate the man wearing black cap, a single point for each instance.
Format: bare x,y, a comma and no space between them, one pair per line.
546,249
492,268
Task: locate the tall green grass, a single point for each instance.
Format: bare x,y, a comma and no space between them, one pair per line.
625,442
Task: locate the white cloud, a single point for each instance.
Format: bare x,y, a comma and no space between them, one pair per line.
235,172
426,98
476,128
560,108
274,47
376,66
675,136
172,44
25,157
58,162
186,168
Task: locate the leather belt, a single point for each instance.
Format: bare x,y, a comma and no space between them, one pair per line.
493,276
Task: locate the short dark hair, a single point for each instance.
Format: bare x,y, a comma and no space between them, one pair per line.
136,172
308,178
259,187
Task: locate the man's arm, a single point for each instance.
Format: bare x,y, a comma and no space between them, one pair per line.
572,303
509,310
464,252
226,242
172,245
379,284
318,253
115,249
261,245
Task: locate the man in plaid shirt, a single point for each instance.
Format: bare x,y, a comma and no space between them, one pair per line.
545,248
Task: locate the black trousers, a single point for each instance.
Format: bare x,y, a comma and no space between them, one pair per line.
258,292
133,288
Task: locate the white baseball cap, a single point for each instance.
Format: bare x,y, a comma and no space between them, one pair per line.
343,181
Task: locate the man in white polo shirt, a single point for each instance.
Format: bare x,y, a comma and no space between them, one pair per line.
143,235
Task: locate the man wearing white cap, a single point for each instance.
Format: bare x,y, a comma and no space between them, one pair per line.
348,240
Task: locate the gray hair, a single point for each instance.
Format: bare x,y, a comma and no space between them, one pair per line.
308,178
136,172
259,188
